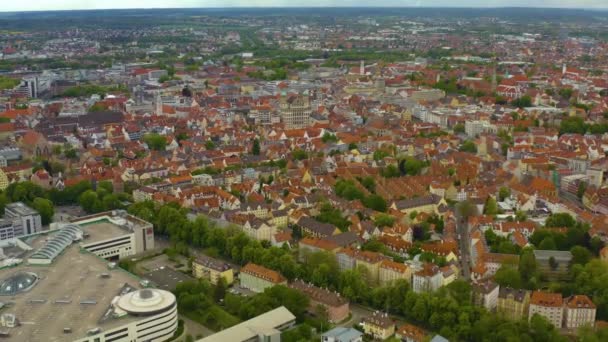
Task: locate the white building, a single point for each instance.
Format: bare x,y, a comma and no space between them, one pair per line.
429,279
26,221
579,311
486,294
547,305
115,234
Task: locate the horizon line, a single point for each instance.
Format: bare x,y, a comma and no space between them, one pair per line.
311,7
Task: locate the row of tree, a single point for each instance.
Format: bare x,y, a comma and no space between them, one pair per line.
448,311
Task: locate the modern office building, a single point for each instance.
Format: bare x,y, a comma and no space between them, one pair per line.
115,234
26,221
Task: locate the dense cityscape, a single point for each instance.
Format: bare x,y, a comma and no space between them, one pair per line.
304,174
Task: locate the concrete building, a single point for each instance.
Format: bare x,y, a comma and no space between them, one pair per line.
258,278
429,279
26,221
295,110
263,328
79,297
379,326
340,334
513,304
212,269
579,311
548,305
486,294
337,307
115,234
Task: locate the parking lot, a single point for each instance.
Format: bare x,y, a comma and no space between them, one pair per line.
166,278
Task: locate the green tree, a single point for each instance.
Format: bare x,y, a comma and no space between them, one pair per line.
155,141
580,255
299,154
45,208
375,202
548,243
468,146
560,220
503,193
219,291
528,269
384,220
508,276
582,187
491,207
255,150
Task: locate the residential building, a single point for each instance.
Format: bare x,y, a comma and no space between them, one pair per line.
212,269
579,311
486,294
316,229
26,221
429,279
340,334
548,305
391,271
512,303
337,306
309,246
379,325
258,278
266,327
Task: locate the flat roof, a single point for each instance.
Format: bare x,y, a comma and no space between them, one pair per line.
167,278
74,277
244,331
102,230
21,209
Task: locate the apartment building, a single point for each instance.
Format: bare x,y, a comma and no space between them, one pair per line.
579,311
212,269
513,304
258,278
548,305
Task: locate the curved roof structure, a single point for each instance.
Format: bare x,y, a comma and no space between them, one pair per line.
146,301
18,283
58,243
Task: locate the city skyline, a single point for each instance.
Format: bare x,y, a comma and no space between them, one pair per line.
45,5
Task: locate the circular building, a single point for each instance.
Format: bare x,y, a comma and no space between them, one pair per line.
18,283
147,301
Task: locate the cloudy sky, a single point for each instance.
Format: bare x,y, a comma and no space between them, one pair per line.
41,5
